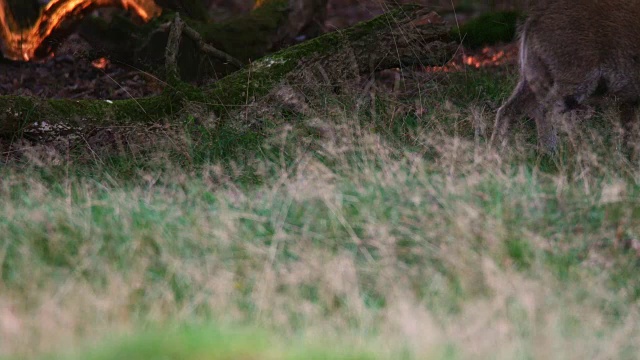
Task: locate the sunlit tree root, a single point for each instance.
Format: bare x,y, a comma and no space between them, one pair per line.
406,36
27,44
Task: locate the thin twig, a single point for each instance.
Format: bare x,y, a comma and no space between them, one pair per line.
206,48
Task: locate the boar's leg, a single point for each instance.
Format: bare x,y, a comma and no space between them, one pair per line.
629,124
547,136
521,102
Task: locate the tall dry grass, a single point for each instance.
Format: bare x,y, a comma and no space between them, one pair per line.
421,242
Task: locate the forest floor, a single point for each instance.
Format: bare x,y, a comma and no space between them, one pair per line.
74,74
380,227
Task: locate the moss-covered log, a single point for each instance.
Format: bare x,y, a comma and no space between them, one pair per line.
406,36
409,35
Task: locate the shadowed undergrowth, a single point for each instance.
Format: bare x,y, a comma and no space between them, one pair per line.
385,229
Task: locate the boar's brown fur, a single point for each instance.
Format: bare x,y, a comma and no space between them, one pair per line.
572,52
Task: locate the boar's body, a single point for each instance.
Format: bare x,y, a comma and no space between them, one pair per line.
573,52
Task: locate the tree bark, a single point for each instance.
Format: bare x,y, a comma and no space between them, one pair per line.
406,36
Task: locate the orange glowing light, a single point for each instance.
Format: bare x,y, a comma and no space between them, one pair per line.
258,3
23,44
488,57
100,63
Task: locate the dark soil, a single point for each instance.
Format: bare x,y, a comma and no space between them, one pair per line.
70,74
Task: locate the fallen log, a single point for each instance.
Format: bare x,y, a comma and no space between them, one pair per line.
409,35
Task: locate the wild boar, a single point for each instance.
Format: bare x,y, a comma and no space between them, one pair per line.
572,53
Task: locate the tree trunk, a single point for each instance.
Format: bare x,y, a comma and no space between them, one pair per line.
409,35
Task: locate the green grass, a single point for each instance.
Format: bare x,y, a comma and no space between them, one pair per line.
206,342
358,234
